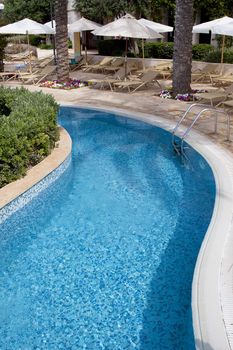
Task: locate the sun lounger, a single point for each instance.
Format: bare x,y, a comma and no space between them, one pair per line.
22,56
41,63
80,62
4,76
146,79
98,66
224,79
207,73
164,69
109,81
218,96
114,66
38,76
228,104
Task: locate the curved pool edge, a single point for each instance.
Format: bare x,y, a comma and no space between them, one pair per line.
212,303
34,175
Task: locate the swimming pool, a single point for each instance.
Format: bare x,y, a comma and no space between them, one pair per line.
104,257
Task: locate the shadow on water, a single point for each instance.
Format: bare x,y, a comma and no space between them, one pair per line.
203,346
167,320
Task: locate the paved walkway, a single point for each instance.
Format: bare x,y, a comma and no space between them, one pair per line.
145,101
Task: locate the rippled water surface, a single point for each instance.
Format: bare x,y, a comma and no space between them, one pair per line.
104,258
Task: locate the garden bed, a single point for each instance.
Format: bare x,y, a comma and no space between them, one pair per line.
28,131
68,85
167,94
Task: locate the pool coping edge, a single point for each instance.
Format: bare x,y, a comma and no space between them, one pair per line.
212,263
215,259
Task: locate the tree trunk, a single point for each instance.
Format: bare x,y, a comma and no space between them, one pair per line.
182,57
61,40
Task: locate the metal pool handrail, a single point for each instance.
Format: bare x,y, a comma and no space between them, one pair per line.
180,148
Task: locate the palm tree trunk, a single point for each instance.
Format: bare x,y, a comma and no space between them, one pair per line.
182,57
61,39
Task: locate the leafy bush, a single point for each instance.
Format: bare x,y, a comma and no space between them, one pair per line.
215,56
228,41
28,131
158,49
36,40
165,50
111,47
201,50
46,46
69,43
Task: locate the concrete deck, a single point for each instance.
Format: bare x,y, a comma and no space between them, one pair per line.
145,101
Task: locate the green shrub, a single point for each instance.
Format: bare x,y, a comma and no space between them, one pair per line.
46,46
228,41
69,43
201,50
157,49
165,50
215,56
111,47
36,40
28,131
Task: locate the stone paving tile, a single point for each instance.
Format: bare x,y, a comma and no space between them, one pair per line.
144,101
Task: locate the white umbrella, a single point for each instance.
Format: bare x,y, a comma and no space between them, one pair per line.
158,27
26,27
83,25
51,24
227,29
216,27
127,27
209,26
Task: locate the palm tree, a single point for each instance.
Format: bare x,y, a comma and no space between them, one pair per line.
61,39
182,57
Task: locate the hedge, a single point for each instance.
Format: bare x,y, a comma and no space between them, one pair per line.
28,131
158,49
165,50
111,47
152,49
200,51
215,56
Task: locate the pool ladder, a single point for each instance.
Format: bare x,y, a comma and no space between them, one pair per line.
178,143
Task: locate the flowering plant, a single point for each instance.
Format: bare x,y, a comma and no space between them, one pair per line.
181,97
68,85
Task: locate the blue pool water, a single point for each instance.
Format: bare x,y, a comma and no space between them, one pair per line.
104,258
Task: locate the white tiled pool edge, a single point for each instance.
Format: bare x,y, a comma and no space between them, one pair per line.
212,291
